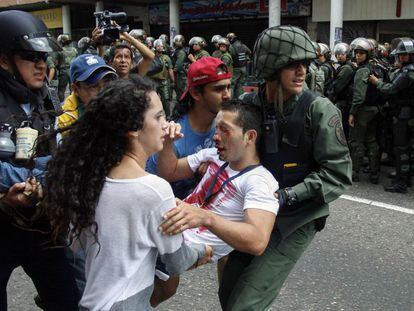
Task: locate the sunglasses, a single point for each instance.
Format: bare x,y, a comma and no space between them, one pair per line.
32,56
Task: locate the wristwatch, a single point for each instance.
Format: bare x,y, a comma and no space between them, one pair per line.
292,198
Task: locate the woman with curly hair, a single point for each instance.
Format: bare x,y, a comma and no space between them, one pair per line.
99,194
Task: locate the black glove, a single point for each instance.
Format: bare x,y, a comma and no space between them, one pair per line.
282,196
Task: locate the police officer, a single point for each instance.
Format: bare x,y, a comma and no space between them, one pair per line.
341,91
64,58
305,148
240,54
364,112
24,98
180,63
402,105
197,44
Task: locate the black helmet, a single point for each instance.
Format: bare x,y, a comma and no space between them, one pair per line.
23,31
405,46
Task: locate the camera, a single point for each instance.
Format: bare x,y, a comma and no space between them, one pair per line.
105,21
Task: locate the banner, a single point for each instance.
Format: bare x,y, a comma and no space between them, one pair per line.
52,17
159,14
204,9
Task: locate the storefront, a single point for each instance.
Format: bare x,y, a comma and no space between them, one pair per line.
246,18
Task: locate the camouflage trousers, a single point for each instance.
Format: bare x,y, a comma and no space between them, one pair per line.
363,138
163,90
180,84
237,81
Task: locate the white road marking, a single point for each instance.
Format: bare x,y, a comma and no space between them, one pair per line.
379,204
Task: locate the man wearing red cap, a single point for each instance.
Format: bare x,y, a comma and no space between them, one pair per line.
208,85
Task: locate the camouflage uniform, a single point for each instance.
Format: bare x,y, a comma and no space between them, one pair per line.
180,61
64,58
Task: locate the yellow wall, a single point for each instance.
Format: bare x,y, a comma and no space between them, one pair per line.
52,17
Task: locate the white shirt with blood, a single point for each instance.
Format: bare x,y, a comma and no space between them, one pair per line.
253,189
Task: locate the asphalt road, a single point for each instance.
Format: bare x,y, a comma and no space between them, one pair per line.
363,260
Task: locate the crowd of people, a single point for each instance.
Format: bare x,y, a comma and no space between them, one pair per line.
149,160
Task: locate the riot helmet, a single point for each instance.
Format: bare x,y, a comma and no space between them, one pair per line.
63,39
178,41
164,38
196,40
342,48
406,46
231,36
223,41
139,34
279,46
23,31
159,42
215,38
149,41
362,44
325,51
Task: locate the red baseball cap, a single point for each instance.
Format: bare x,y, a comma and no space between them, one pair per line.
203,71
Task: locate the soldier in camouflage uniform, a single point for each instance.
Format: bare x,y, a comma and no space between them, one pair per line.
52,74
180,63
214,40
402,106
63,60
161,78
197,44
224,56
305,149
364,113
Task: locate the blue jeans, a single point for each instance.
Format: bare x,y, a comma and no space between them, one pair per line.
9,174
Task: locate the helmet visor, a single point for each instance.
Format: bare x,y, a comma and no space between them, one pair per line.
38,44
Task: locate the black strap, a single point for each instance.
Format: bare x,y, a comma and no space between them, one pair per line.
209,195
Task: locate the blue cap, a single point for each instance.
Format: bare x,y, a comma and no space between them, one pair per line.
89,68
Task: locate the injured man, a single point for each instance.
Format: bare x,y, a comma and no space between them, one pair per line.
233,206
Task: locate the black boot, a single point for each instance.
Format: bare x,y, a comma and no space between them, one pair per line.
374,178
355,176
396,186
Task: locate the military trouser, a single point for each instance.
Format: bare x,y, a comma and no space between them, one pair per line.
237,81
164,92
403,131
252,283
63,83
364,135
180,84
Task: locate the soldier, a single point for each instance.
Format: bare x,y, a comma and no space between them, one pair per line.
225,57
326,65
149,42
167,48
64,58
364,112
140,35
240,54
162,77
311,164
197,44
180,63
341,91
214,40
315,78
86,46
402,91
25,235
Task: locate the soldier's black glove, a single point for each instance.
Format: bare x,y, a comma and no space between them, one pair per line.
282,196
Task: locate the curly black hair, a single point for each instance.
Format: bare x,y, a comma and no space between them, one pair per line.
76,174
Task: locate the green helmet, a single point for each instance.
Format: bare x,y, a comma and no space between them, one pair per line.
278,46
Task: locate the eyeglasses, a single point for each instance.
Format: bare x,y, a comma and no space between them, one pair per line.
32,56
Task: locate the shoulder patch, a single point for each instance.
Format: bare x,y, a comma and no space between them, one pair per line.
335,122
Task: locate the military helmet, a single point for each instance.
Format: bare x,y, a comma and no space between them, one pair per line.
179,41
342,48
138,34
215,38
373,42
149,41
382,50
405,46
231,36
224,41
164,38
325,50
63,39
159,42
83,43
279,46
196,40
23,31
362,44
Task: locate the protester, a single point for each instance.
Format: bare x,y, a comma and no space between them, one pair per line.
97,184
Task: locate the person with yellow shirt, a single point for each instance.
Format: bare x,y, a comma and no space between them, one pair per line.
88,74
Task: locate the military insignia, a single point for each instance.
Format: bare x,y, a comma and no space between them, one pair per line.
335,122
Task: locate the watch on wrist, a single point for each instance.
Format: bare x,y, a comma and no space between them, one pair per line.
292,198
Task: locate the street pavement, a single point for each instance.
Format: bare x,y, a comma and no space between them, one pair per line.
362,260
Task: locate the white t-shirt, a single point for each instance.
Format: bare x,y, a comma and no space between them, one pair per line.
128,214
253,189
